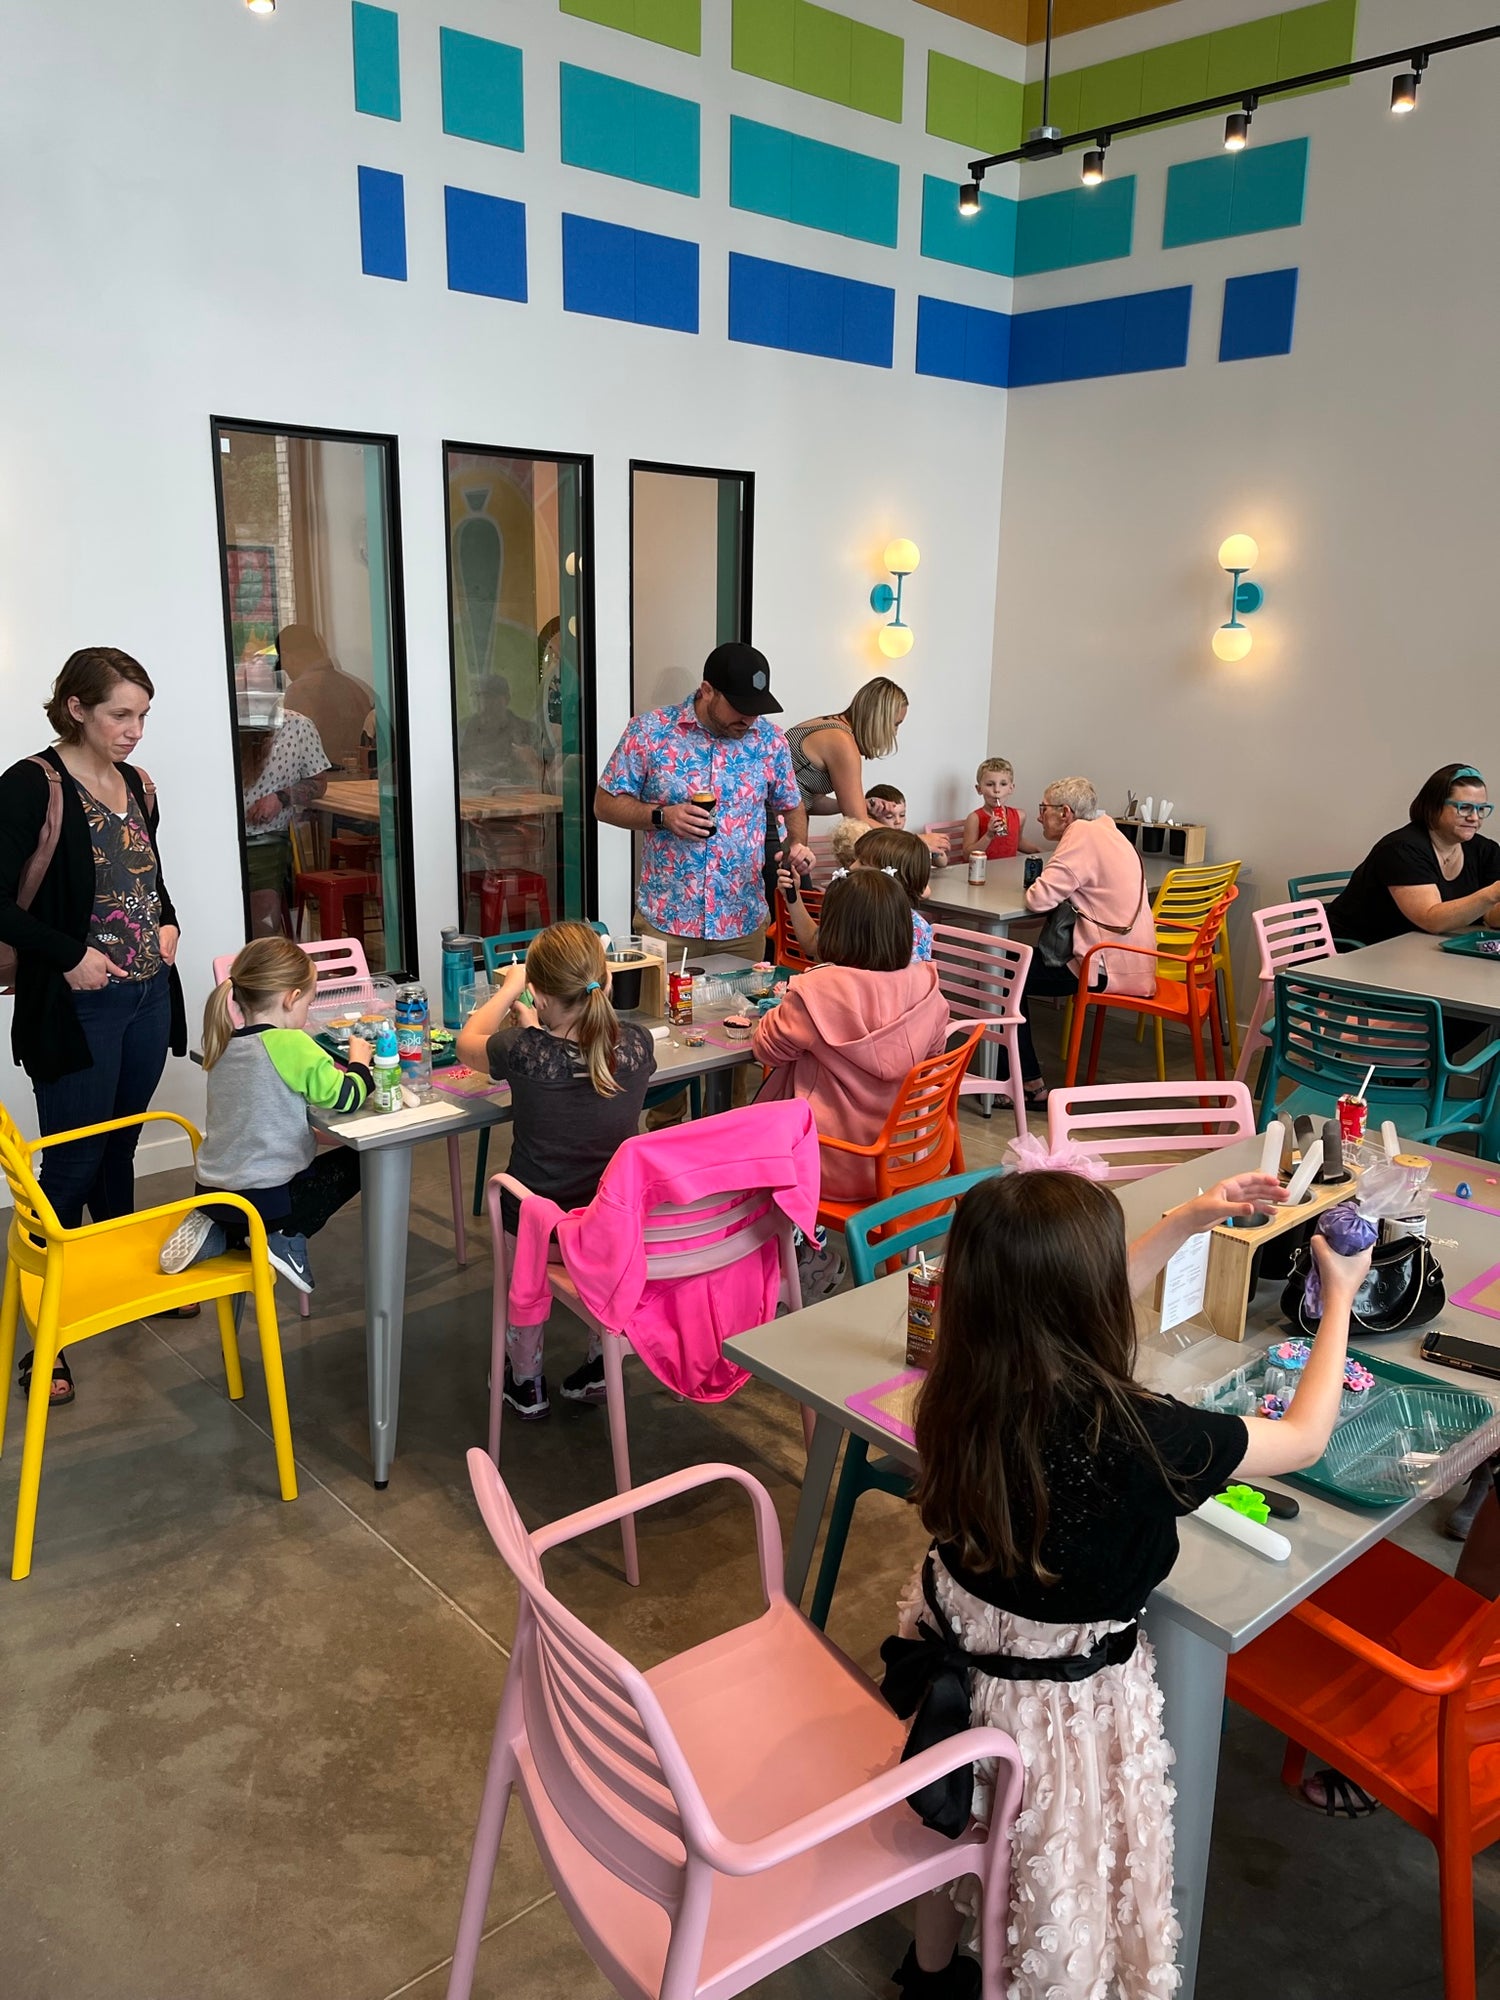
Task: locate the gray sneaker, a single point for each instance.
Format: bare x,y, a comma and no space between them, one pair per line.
288,1255
197,1236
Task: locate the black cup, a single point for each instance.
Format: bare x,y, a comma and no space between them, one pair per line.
625,985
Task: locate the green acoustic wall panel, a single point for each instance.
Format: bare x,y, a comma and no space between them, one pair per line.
1245,54
482,96
983,242
675,23
614,127
1316,37
377,61
1110,91
1176,73
1235,194
821,53
972,106
803,180
1075,226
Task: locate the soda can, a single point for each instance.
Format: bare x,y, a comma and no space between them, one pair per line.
1030,870
978,865
680,998
1353,1111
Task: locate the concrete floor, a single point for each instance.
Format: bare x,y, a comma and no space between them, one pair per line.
242,1743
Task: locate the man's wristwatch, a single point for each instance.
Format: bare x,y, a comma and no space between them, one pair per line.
657,817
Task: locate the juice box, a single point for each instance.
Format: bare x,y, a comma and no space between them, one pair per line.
923,1292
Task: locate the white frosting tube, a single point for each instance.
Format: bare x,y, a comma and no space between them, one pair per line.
1240,1528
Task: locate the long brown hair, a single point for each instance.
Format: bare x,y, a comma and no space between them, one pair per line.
889,847
567,963
865,922
1035,1329
267,967
91,674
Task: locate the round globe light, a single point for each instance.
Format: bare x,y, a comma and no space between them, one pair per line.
901,556
895,640
1232,642
1238,552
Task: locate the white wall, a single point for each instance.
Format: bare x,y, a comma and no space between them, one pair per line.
179,211
675,579
1362,463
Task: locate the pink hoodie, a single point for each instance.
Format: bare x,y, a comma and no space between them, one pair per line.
844,1040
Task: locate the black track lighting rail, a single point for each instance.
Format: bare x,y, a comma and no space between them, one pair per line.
1415,54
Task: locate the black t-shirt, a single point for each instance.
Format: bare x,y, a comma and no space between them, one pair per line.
564,1133
1112,1527
1366,909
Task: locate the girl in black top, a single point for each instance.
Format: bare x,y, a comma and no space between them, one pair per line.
1052,1486
98,1000
1438,873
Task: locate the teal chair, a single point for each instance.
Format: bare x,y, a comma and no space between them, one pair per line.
1315,888
499,951
1326,1035
860,1472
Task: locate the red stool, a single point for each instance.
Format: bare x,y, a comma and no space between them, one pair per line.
354,850
340,896
506,898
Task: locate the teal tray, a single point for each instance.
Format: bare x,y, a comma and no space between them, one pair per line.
1366,1459
1475,944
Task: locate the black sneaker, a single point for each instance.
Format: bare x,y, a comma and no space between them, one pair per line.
960,1978
527,1397
586,1384
288,1255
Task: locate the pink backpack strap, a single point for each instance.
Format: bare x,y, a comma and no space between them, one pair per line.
148,790
46,847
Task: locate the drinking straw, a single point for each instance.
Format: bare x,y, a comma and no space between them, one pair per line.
1359,1095
682,970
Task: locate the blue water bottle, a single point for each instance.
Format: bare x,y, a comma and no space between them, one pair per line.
458,972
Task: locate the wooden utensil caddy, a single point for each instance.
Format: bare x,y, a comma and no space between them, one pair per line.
1231,1256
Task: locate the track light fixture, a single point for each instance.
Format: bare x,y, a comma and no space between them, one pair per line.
968,198
1093,161
1237,128
1404,86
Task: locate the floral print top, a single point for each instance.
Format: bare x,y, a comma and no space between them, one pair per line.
126,921
921,938
703,888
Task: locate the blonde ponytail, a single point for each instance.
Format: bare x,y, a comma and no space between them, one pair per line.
566,962
265,969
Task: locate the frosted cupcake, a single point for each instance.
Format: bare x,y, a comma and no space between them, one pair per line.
1358,1382
1285,1364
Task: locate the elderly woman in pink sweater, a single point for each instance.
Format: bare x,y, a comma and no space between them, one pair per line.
852,1026
1095,868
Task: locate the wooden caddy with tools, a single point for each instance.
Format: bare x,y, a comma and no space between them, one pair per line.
1231,1254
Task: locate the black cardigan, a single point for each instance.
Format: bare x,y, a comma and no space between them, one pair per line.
51,937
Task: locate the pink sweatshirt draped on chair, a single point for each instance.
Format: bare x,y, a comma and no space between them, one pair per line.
844,1039
1097,866
677,1326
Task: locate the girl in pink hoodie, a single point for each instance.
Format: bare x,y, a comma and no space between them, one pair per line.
851,1028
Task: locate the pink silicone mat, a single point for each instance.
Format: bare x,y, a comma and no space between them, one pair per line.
889,1404
1448,1176
461,1082
1481,1294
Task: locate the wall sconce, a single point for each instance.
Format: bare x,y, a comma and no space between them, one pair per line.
901,558
1237,554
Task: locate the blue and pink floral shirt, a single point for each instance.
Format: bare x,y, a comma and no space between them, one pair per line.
703,888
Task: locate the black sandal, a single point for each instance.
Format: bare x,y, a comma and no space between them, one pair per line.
1342,1798
960,1979
61,1372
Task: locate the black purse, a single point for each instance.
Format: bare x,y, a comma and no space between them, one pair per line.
1404,1287
1054,945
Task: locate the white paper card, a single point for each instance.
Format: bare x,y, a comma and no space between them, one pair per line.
1183,1282
434,1113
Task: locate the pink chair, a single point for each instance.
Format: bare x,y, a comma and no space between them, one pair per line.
982,978
727,1812
735,1225
1288,934
1122,1122
952,831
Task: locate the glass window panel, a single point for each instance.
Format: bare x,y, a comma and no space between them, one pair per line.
522,686
690,547
316,686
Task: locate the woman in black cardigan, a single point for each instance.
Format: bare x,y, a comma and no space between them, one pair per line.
98,999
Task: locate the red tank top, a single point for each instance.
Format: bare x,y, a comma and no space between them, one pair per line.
1001,831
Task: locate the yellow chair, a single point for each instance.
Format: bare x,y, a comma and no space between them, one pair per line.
71,1283
1182,902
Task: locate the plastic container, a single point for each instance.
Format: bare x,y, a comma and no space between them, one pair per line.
414,1039
355,1007
386,1069
1392,1451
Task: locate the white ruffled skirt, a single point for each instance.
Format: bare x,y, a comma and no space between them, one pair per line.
1091,1913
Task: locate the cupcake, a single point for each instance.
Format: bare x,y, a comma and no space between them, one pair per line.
1284,1366
737,1027
1273,1407
1358,1382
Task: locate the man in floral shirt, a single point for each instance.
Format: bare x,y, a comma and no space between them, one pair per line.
702,882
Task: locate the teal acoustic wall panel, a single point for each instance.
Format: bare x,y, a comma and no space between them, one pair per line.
1235,194
1082,225
983,242
482,96
796,179
614,127
377,61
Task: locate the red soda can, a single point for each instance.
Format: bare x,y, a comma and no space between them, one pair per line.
680,998
1353,1112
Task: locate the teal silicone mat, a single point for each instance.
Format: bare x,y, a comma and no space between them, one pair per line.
1474,944
1381,1456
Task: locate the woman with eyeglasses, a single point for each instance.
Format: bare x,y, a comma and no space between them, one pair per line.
1440,873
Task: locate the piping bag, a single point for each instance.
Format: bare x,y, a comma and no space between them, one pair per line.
1353,1226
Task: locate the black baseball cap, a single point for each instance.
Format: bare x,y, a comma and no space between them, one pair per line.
742,674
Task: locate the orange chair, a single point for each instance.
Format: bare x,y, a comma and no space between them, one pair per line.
785,949
919,1141
1391,1673
1191,998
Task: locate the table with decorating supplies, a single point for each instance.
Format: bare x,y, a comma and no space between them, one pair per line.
1219,1595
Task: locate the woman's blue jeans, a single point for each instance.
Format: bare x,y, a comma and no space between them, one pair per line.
127,1024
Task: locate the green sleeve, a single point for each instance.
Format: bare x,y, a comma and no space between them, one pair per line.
312,1072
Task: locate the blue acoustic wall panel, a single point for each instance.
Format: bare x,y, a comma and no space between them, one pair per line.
810,312
1082,225
1258,315
486,244
779,173
1124,336
629,274
482,96
382,223
963,343
983,242
377,61
614,127
1235,194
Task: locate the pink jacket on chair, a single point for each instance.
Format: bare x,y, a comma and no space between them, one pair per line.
677,1326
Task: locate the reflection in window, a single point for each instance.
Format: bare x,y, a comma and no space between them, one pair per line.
311,652
520,690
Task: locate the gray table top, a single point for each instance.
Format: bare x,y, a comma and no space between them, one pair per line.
999,897
1417,963
1226,1593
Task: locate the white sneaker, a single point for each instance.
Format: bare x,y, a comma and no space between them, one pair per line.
197,1236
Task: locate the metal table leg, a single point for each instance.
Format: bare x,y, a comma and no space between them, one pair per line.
816,1480
385,1191
1191,1672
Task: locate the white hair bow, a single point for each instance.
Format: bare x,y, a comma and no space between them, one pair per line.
838,875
